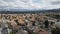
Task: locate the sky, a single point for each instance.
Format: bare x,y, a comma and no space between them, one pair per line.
29,4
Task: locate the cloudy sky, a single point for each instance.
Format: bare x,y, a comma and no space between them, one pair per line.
29,4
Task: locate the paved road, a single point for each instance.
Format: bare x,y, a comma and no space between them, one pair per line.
4,27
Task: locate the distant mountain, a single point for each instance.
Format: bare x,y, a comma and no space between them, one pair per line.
53,10
28,11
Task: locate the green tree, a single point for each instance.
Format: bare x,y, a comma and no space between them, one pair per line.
55,31
52,23
46,24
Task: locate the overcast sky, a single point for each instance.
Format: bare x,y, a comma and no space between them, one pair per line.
29,4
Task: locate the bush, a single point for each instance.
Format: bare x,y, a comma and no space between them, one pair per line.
12,32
